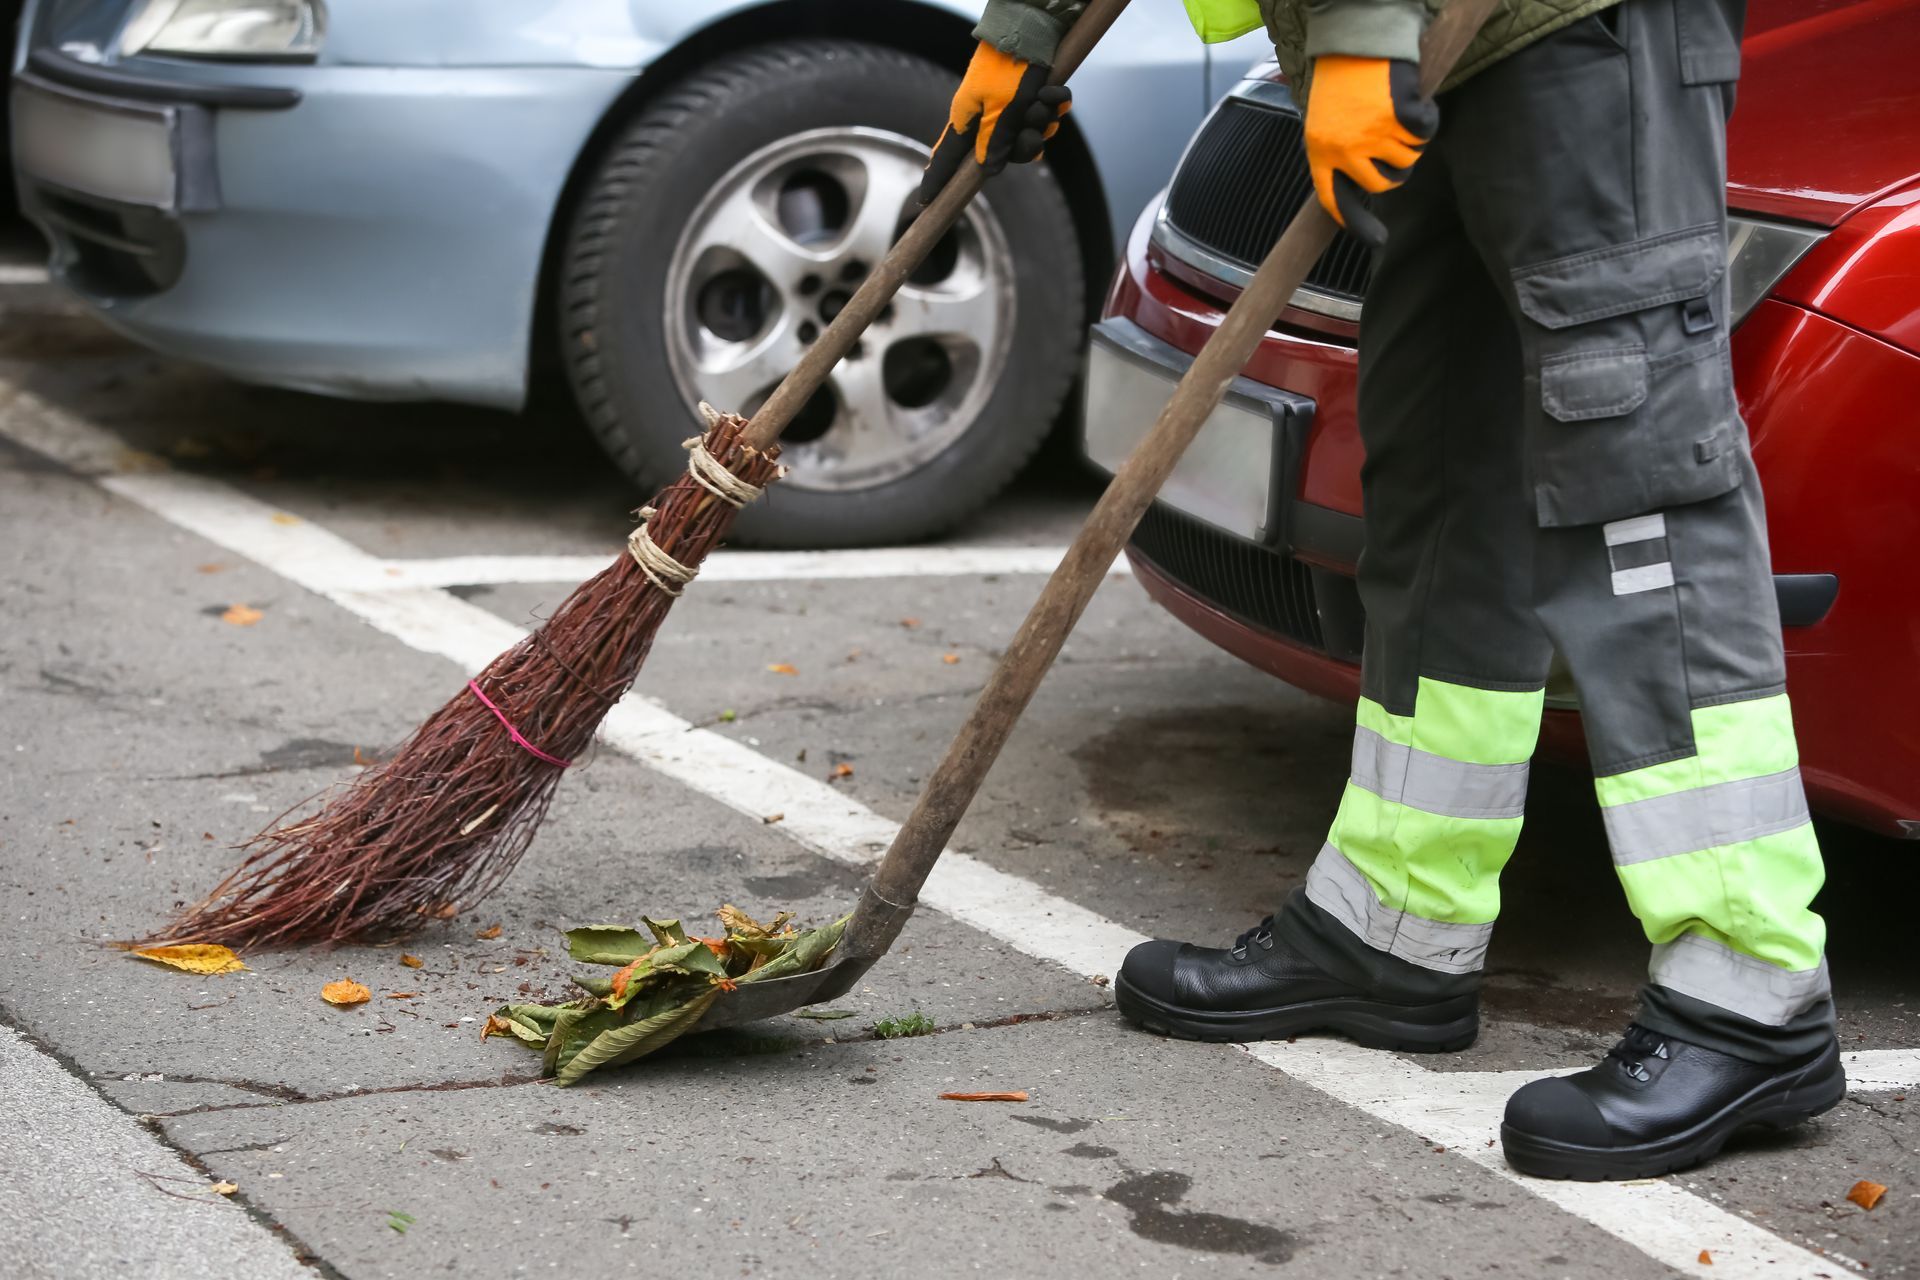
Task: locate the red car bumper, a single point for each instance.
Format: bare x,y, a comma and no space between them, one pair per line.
1829,408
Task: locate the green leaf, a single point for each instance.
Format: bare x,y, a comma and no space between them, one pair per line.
686,960
602,987
532,1023
807,953
824,1015
667,933
614,944
637,1039
573,1031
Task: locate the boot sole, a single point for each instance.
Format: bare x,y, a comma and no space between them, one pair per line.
1442,1027
1781,1103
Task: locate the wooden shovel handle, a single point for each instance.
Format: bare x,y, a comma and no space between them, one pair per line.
877,290
896,883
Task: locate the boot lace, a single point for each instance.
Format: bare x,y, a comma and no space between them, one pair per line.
1636,1049
1261,935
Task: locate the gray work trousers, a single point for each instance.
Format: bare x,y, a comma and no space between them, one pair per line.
1556,464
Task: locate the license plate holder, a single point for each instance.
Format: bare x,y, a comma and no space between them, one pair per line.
98,147
1242,470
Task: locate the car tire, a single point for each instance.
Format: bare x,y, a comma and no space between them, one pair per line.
632,268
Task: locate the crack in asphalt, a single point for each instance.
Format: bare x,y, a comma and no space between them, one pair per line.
303,1253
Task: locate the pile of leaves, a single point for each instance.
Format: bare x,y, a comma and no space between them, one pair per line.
664,982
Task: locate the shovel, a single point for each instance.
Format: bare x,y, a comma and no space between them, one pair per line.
889,898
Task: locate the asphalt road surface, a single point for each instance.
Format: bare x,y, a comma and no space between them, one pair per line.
1156,787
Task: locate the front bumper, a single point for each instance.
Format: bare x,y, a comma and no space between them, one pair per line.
362,231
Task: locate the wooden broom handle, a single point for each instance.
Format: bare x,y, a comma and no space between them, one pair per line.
951,789
877,290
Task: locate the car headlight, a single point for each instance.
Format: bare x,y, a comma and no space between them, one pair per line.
226,28
1759,255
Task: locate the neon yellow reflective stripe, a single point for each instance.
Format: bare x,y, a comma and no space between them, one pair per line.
1732,741
1476,726
1434,867
1218,20
1751,897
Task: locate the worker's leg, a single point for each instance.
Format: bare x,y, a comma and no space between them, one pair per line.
1406,888
1386,942
1652,576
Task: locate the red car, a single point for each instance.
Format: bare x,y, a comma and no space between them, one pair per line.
1253,542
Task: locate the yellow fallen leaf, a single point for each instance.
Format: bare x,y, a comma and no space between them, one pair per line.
1705,1259
346,991
772,818
843,770
783,668
496,1026
241,615
224,1188
212,566
1866,1194
488,934
282,517
949,658
909,623
412,962
401,995
194,957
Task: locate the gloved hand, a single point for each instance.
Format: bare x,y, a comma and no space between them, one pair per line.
1366,125
1005,110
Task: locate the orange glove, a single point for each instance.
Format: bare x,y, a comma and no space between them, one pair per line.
1366,125
1005,110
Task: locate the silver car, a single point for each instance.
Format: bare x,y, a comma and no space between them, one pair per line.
661,203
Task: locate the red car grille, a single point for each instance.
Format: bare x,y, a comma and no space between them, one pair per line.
1272,590
1242,178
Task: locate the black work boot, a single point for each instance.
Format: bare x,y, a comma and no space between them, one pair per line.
1264,988
1656,1104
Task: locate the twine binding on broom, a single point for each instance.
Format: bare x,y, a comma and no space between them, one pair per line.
710,474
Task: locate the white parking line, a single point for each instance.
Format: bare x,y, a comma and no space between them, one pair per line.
736,566
1456,1110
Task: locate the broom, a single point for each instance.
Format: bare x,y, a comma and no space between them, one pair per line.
437,826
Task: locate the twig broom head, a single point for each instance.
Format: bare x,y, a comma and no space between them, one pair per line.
438,825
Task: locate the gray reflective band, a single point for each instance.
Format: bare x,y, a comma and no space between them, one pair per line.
1638,529
1648,577
1435,784
1337,887
1705,817
1706,970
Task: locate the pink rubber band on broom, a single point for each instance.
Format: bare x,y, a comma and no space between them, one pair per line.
507,724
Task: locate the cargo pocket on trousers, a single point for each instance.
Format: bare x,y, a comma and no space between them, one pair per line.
1631,405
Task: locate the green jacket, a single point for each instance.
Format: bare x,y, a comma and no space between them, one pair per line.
1305,29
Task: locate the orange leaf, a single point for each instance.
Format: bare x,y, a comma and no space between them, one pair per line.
949,658
772,818
1866,1194
241,615
1705,1259
1018,1095
496,1026
783,668
620,979
843,770
224,1188
909,623
401,995
412,962
194,957
211,567
346,991
489,933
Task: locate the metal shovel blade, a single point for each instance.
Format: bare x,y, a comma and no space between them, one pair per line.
755,1001
876,923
